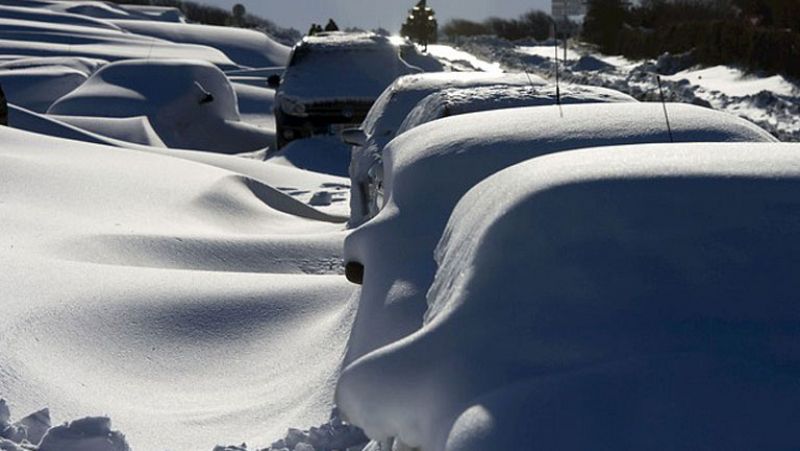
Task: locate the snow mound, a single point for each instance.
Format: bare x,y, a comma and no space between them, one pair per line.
244,47
453,102
190,104
635,265
429,168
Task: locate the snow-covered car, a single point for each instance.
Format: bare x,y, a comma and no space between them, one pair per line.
456,101
429,168
383,121
331,82
637,297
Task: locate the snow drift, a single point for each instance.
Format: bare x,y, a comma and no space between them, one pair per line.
641,309
190,104
244,47
164,293
429,168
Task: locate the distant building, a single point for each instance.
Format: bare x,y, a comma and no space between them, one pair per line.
568,8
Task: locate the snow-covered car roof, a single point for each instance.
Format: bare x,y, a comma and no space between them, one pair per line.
429,168
339,66
569,285
400,97
390,110
455,101
340,41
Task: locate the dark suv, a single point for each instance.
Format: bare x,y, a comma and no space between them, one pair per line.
331,82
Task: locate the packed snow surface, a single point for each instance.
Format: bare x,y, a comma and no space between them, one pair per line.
429,168
165,293
641,309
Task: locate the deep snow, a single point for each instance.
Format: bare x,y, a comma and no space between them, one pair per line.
642,310
428,169
197,298
164,293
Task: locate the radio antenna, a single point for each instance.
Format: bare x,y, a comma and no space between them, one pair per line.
558,85
664,106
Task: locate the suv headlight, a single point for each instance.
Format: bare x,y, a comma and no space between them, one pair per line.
292,107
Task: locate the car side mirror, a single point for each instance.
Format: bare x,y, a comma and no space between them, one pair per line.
354,137
273,81
354,271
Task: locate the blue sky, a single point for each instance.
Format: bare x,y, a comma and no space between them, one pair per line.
376,13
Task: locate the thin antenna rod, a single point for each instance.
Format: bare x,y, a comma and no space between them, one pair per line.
558,85
664,105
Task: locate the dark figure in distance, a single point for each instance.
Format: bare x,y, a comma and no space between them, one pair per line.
331,26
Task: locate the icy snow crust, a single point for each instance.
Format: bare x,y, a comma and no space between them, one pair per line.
429,168
395,103
641,309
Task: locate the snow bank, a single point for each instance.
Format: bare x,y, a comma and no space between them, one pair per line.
453,102
244,47
429,168
165,293
770,102
390,110
190,104
641,309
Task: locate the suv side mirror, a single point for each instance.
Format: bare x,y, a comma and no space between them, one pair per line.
354,137
274,81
